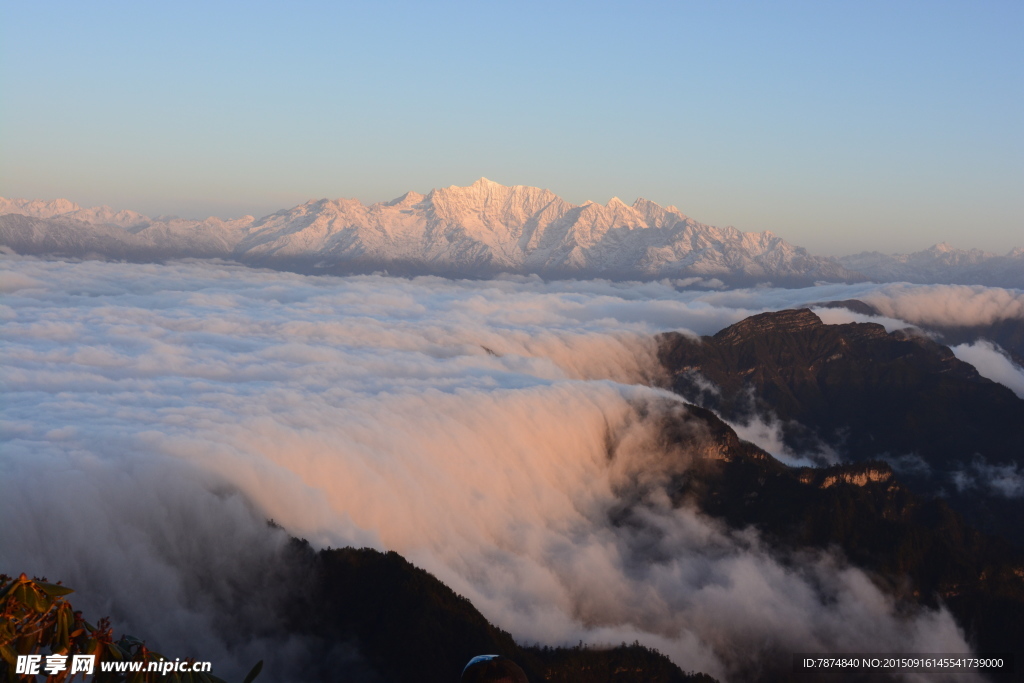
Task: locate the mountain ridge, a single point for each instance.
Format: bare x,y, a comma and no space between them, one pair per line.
942,263
480,230
866,394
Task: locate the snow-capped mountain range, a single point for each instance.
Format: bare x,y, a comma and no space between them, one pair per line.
942,264
475,231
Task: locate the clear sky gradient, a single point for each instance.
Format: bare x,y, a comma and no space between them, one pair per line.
840,126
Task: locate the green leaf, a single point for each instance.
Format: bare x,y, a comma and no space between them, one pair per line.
36,599
8,654
20,593
65,618
52,589
8,588
27,643
25,593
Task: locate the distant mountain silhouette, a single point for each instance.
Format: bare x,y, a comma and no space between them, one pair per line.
942,264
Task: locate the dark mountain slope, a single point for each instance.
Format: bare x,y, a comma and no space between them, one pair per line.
865,393
916,548
407,626
854,385
1008,333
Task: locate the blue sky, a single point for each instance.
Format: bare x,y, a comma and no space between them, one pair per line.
840,126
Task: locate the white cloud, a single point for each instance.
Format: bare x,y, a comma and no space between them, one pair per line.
947,305
767,434
155,416
990,361
11,281
1002,480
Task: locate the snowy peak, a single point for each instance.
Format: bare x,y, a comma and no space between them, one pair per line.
615,203
942,263
478,230
486,228
406,200
489,200
485,182
37,208
945,252
63,208
108,216
476,197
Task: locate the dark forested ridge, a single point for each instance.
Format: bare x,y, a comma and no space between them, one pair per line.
855,386
362,616
916,548
1008,333
406,625
866,394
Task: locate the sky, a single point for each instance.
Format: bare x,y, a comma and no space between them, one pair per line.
840,126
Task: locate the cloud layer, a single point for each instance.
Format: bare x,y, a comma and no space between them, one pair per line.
993,363
157,415
947,305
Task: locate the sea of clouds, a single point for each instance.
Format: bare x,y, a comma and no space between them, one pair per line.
155,416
